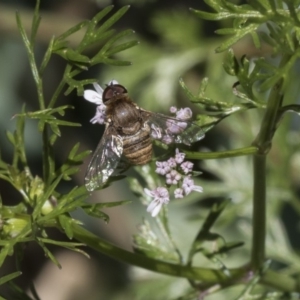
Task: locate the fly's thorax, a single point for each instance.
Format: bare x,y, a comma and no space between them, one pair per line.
125,116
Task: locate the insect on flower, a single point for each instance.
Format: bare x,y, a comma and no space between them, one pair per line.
129,132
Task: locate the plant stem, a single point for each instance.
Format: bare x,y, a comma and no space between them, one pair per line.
205,275
222,154
263,142
259,211
135,259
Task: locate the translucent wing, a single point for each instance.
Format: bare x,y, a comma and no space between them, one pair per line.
170,130
105,159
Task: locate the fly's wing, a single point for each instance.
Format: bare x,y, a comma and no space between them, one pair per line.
105,159
170,130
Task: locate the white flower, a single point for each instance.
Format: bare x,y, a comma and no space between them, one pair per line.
178,193
161,196
92,96
96,97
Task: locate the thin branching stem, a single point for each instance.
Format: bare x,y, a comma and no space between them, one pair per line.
263,142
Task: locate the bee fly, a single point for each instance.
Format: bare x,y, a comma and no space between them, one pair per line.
129,132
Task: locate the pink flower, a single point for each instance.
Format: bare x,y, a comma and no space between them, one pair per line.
188,186
187,167
173,109
100,116
175,127
156,132
172,162
161,196
184,114
167,139
173,177
162,167
179,156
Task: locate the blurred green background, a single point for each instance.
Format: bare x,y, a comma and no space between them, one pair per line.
173,44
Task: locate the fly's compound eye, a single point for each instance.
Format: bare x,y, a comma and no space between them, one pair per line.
113,90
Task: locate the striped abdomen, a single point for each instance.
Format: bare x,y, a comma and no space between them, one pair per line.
137,148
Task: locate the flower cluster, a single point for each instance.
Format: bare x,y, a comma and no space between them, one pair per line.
171,128
177,172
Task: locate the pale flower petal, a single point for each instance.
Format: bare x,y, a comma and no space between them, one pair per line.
198,188
148,192
154,207
98,88
161,196
113,82
92,96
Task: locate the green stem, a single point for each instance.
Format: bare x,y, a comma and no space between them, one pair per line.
46,156
221,154
206,276
280,282
60,87
259,211
263,142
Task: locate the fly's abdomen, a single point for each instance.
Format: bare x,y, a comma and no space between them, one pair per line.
137,148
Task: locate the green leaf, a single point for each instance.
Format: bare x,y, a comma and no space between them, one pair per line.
255,39
109,204
111,41
55,129
47,56
29,49
5,251
72,30
48,253
122,47
113,19
10,137
35,22
9,277
66,223
239,34
115,62
91,26
72,56
230,64
67,245
94,211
